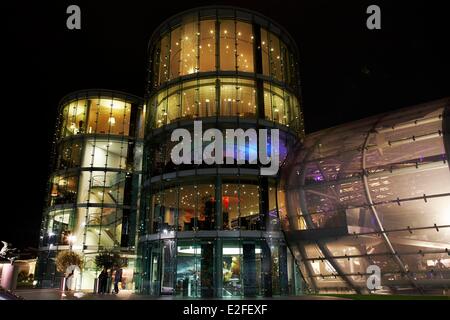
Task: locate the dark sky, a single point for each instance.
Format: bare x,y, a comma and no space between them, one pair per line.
348,72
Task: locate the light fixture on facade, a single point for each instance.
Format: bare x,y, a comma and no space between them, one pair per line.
112,120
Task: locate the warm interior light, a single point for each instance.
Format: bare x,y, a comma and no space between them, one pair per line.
226,251
54,190
112,121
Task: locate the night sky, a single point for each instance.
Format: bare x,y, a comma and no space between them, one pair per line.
348,72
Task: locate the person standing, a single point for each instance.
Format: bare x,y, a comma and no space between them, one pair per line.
103,281
117,279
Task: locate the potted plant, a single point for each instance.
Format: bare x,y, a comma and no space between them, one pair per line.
67,262
64,259
107,260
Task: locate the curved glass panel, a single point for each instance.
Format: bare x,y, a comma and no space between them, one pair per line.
192,267
198,98
380,187
69,154
191,47
63,189
58,227
193,207
104,116
159,161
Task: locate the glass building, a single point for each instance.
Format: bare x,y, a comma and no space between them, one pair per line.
373,192
214,230
93,189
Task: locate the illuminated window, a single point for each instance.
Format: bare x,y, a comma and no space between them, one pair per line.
175,52
108,116
240,206
74,118
164,56
64,190
189,39
207,47
238,98
244,47
227,45
275,57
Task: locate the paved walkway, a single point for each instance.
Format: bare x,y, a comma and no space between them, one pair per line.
55,294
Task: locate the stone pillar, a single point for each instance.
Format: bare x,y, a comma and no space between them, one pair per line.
9,276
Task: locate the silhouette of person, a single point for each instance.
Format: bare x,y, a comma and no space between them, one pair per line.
103,281
117,279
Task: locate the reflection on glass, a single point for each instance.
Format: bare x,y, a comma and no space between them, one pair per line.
69,154
185,208
188,269
240,206
232,269
59,227
63,190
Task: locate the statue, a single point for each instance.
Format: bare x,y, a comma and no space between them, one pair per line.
8,253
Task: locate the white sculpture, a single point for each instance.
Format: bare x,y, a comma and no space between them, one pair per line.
72,276
8,253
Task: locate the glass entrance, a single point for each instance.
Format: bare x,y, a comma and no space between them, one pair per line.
188,269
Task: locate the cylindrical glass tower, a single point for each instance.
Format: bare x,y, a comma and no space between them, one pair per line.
213,230
374,192
92,199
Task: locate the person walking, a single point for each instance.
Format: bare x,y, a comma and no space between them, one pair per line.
117,279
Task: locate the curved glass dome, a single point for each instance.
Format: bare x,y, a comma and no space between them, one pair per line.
373,192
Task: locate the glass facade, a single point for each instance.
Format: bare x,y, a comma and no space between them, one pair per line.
92,199
222,40
214,230
373,192
223,62
197,99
